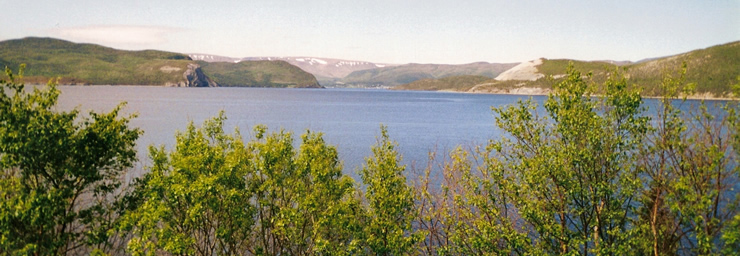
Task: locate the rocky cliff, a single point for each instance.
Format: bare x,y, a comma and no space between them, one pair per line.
195,77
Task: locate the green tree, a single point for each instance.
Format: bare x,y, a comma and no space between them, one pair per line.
331,204
305,205
731,234
60,172
572,177
388,229
469,214
215,194
194,200
691,170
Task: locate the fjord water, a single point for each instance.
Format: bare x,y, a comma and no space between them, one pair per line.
350,119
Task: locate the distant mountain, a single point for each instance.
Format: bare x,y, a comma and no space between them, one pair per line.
714,70
327,71
403,74
75,63
353,73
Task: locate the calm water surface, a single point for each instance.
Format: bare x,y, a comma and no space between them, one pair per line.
350,119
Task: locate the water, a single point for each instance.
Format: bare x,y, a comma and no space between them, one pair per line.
350,119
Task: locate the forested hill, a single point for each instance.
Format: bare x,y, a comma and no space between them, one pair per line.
713,70
90,64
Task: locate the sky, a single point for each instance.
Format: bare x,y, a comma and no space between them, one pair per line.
395,31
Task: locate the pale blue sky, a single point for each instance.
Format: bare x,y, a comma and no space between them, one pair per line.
397,31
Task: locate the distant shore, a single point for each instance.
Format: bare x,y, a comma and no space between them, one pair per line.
532,91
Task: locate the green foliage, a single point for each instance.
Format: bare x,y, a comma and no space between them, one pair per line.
305,205
469,214
60,171
731,234
259,74
594,176
194,199
691,169
571,177
216,194
388,230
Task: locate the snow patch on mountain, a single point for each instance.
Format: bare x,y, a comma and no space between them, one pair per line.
353,63
319,61
212,58
201,57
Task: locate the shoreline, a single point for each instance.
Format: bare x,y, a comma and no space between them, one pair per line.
532,91
522,91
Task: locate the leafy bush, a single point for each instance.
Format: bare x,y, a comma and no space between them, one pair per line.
61,172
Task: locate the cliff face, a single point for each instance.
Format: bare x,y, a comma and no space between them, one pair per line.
194,77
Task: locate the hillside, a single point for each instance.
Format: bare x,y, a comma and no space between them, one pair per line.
47,58
450,83
258,74
397,75
713,70
88,64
